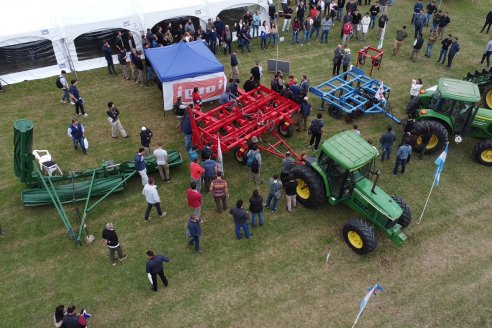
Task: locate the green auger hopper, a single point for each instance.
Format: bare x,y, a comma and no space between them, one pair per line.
76,186
341,174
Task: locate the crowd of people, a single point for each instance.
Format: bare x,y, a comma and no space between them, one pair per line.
307,22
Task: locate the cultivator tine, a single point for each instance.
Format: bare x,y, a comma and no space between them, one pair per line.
484,72
469,76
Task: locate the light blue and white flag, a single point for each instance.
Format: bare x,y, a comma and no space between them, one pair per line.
440,165
370,291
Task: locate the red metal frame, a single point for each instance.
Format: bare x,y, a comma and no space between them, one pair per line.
255,114
365,52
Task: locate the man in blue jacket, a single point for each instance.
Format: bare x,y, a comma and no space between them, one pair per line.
76,132
108,54
195,232
154,268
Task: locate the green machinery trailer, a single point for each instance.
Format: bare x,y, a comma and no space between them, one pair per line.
73,187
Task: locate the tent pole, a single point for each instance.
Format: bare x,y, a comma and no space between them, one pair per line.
69,58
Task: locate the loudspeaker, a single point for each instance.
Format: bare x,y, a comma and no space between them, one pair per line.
278,65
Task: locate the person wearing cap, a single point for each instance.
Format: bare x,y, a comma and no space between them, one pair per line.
114,119
287,165
140,166
303,114
145,138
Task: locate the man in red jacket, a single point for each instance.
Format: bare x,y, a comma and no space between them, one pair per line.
194,200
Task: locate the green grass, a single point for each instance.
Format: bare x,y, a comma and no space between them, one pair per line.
439,278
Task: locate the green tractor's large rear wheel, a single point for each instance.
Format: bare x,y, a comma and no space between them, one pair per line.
406,218
439,136
310,188
360,236
483,152
487,97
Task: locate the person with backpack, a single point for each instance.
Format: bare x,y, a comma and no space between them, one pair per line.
274,192
61,83
254,164
316,130
303,114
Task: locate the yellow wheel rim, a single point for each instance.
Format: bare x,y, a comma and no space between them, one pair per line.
488,99
432,142
355,239
486,155
302,189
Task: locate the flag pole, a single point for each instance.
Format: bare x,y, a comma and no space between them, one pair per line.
427,200
356,319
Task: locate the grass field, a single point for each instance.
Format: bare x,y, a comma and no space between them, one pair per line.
441,277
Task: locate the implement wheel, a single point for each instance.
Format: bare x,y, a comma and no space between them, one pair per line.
438,139
483,152
359,235
487,97
406,218
240,155
285,129
334,112
310,188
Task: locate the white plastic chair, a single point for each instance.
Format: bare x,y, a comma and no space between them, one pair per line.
45,162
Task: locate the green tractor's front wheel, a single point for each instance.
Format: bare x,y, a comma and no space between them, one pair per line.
406,218
360,236
438,139
310,187
487,97
483,152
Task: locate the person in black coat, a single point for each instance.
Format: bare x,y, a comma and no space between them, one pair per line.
453,50
256,208
488,22
195,232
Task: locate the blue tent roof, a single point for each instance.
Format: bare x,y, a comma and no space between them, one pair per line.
183,60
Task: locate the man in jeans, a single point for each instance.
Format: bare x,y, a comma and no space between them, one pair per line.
111,240
241,218
195,232
220,192
152,198
444,49
274,192
162,162
140,166
154,267
402,158
209,174
256,208
387,140
76,131
66,94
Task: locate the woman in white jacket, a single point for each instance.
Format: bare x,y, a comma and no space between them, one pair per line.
365,21
264,34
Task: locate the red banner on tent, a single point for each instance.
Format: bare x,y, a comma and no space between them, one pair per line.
208,88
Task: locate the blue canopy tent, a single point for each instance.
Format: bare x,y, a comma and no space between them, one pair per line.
182,67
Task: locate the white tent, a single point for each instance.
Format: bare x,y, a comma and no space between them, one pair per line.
38,38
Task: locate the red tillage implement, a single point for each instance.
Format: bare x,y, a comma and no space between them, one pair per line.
254,114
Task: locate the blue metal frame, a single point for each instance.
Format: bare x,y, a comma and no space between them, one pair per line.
356,91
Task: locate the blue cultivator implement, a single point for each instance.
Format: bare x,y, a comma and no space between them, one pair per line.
353,94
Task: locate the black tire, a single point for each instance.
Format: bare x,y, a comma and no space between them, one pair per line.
240,158
285,131
406,218
439,136
311,190
334,112
487,97
360,236
483,152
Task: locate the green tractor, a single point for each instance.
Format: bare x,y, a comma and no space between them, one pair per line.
450,108
483,80
341,174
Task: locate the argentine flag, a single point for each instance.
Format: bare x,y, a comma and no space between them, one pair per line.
440,165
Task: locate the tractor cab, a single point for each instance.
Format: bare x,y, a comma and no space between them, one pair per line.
345,160
453,102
